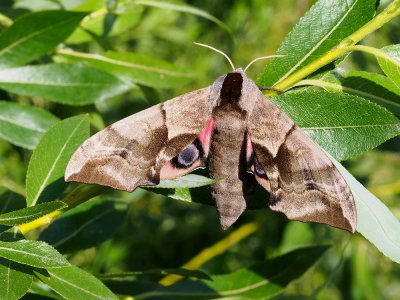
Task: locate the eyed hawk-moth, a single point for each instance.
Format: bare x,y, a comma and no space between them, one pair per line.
243,138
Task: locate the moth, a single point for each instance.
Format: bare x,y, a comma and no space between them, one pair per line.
243,138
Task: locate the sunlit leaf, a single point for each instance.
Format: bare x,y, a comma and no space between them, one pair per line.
34,35
74,283
24,125
374,220
15,279
391,65
325,25
28,214
344,125
136,68
32,253
127,15
72,84
45,177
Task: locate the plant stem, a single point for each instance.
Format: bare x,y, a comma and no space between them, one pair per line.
77,196
392,11
212,251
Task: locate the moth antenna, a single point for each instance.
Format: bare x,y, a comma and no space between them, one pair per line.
219,51
262,57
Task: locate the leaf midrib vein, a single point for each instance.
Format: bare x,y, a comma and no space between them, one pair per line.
305,57
349,126
44,183
32,35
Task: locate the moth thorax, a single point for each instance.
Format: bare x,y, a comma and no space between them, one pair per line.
232,87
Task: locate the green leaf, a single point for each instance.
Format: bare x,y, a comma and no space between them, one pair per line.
74,283
10,201
135,68
340,122
28,214
179,189
85,226
72,84
391,64
260,281
375,87
23,125
196,188
45,176
127,15
374,220
32,253
187,181
34,35
15,279
325,25
39,288
161,272
185,9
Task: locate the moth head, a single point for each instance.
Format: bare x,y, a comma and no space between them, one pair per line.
231,90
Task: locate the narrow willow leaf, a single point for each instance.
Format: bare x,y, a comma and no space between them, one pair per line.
37,5
10,201
182,272
34,35
262,281
196,188
179,189
39,288
86,225
374,220
187,181
391,65
185,9
72,84
340,122
32,253
45,176
28,214
23,125
325,25
136,68
375,87
74,283
127,15
15,279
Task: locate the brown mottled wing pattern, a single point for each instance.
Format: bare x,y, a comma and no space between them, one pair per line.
132,151
304,183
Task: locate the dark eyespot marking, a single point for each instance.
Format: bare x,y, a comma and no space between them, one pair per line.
123,154
188,155
308,179
259,169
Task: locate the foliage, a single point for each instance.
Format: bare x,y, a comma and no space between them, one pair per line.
66,66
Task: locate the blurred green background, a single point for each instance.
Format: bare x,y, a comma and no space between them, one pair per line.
163,233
